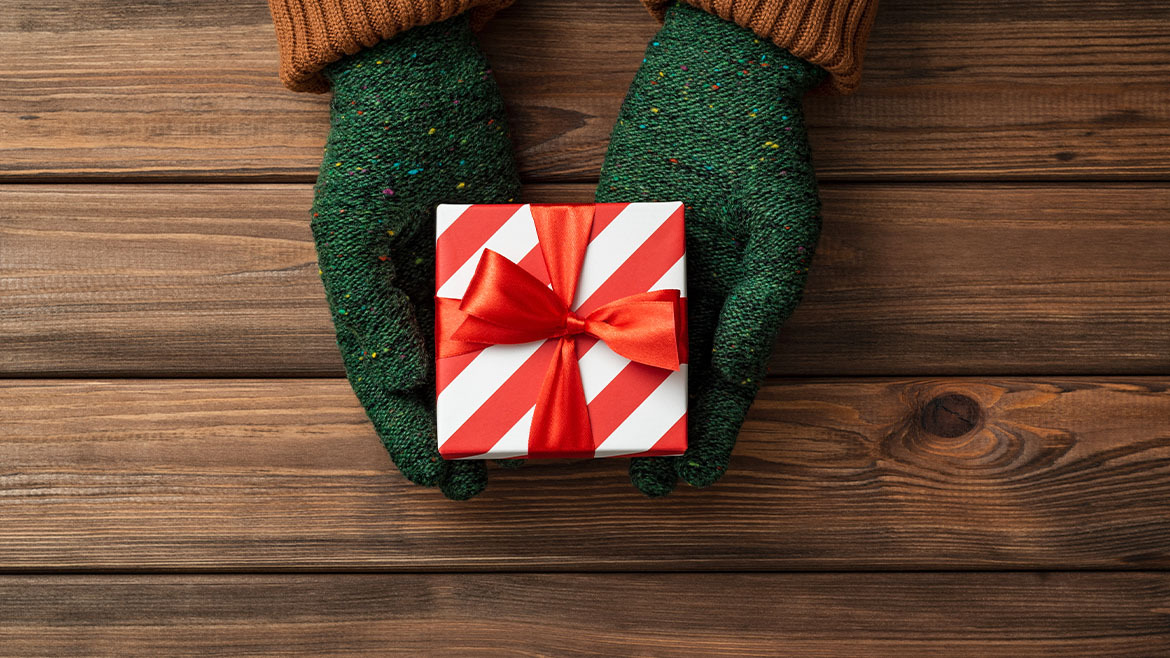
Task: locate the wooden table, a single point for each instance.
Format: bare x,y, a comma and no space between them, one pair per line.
964,448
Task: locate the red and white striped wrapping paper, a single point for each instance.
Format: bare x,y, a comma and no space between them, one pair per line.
486,399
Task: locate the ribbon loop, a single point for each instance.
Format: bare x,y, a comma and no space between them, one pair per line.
504,304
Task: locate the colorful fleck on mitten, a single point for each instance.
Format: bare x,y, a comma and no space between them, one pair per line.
417,120
714,119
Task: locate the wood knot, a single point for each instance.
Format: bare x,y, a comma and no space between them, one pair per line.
950,415
969,433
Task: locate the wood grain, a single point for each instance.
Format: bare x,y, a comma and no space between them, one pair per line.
1016,615
828,474
957,90
202,280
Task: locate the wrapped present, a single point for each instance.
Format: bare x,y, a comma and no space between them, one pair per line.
560,330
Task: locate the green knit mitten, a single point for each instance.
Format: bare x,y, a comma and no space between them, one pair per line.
714,119
417,120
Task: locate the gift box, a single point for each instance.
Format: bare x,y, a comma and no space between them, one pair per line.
560,330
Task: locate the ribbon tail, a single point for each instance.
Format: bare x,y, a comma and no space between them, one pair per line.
560,423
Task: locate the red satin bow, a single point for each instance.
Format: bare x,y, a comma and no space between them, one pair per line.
504,304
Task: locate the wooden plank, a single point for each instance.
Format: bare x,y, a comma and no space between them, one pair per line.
866,474
992,614
201,280
961,89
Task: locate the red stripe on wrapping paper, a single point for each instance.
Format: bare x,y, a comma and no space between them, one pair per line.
466,235
649,262
449,368
621,396
533,263
603,216
674,442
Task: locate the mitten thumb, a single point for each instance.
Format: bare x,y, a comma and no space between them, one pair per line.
780,236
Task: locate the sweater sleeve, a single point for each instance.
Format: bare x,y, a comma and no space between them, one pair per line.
829,33
314,33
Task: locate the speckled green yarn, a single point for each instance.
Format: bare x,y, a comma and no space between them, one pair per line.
714,119
416,121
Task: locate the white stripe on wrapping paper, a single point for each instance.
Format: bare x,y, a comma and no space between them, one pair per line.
674,279
650,421
478,381
446,214
513,241
617,242
598,368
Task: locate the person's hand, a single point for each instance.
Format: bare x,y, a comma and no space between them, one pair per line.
714,119
416,120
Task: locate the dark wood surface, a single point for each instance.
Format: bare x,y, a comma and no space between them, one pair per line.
1011,615
964,448
961,89
837,474
922,279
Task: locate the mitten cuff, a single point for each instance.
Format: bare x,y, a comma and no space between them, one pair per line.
829,33
314,33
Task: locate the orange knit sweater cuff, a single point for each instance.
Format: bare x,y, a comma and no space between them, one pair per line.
828,33
315,33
